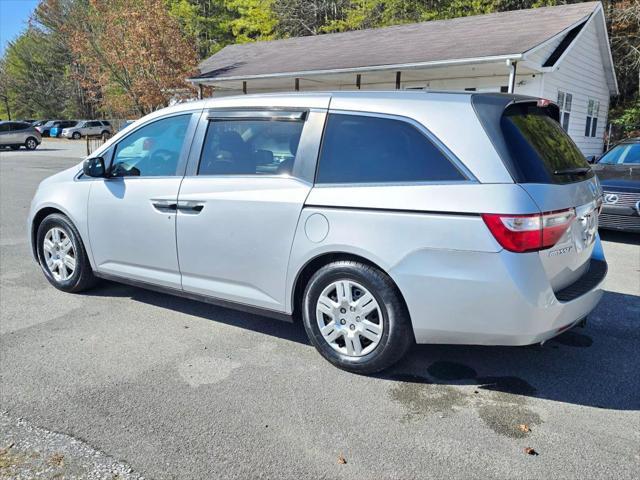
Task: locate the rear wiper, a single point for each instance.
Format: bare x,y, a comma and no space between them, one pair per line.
573,171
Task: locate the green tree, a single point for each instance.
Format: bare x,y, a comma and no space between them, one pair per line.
252,20
34,78
206,21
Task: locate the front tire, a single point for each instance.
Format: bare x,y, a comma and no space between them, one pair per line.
76,135
355,317
62,256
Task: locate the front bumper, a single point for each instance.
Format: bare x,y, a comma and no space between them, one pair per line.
503,298
619,218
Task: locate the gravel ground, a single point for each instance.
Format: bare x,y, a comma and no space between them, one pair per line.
30,452
122,378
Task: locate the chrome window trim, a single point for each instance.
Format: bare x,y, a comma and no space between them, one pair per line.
448,154
395,184
274,114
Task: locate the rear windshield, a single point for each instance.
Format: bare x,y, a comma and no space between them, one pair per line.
540,150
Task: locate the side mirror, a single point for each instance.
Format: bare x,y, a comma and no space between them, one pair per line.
94,167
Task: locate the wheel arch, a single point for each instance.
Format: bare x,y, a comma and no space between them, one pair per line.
35,224
314,264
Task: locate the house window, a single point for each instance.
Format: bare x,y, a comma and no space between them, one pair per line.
593,108
564,103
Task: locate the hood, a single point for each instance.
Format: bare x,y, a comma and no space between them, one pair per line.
631,186
613,173
62,176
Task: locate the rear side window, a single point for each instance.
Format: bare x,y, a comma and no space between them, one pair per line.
540,150
250,147
365,149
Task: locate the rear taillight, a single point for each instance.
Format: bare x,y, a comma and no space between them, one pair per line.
526,233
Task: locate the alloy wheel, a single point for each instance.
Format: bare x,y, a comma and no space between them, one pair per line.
31,144
59,254
349,318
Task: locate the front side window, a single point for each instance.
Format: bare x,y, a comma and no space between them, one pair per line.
564,103
153,150
364,149
250,147
593,108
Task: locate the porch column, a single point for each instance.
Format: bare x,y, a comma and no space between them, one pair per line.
513,65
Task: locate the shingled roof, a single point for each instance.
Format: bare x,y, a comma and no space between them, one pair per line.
484,36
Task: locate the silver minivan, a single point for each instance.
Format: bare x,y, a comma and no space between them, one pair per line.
379,218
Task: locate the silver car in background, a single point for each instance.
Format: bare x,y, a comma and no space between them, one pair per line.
90,128
379,218
19,134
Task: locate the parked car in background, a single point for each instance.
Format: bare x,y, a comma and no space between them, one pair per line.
57,128
19,134
39,123
381,218
88,128
45,128
619,173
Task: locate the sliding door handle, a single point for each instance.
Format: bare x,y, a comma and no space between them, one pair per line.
190,206
164,206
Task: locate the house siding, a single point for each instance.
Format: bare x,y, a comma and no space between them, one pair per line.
581,73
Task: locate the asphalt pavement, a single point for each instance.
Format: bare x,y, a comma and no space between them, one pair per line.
121,382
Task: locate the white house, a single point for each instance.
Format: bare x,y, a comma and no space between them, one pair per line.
560,53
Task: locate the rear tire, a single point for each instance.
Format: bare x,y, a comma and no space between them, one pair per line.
31,143
62,255
355,317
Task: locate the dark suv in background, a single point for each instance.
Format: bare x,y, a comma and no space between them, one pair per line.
619,173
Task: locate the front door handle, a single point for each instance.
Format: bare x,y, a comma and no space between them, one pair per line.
164,206
190,206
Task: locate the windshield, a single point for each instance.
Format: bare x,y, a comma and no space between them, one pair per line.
541,150
627,154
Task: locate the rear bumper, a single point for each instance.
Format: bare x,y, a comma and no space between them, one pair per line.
491,298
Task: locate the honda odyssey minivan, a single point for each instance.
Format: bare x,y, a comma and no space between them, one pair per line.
379,218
